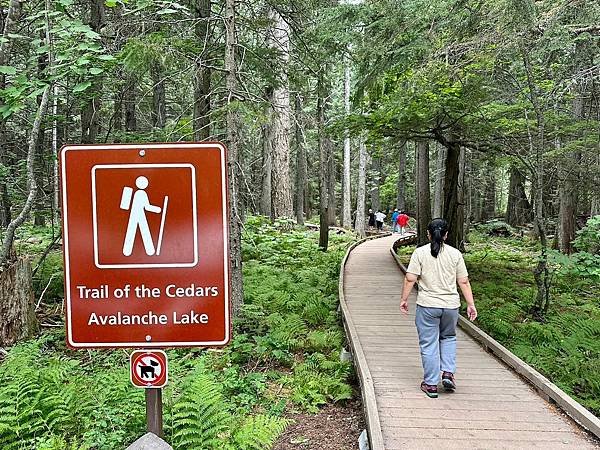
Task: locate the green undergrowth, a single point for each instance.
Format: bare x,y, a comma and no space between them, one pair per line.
565,346
284,356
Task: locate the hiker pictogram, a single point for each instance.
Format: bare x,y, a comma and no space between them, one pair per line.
138,204
148,368
145,215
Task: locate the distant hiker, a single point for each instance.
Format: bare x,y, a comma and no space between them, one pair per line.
394,218
371,219
379,218
402,221
438,267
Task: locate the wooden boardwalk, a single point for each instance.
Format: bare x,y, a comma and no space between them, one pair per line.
492,407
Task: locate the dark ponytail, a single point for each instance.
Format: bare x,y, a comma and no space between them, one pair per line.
437,230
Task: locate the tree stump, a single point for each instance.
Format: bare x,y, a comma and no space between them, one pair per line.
17,311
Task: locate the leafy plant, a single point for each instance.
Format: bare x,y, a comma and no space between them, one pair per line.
588,238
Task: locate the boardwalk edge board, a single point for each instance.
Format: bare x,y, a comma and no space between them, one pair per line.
548,390
360,362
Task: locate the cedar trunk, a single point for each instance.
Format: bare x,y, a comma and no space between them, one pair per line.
232,120
323,159
451,203
423,194
401,198
202,72
346,216
301,172
376,173
518,208
438,197
361,192
281,190
159,105
90,112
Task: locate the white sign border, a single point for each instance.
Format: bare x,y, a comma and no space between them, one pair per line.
142,344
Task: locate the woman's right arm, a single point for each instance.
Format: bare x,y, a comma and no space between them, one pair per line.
465,288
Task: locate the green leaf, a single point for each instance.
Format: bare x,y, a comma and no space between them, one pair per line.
8,70
106,57
5,111
96,70
110,3
82,86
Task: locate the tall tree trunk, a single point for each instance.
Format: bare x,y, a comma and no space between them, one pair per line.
451,204
129,103
489,202
232,120
423,194
467,194
361,191
90,112
159,105
117,122
266,208
346,201
462,193
331,182
202,73
375,182
568,191
39,204
323,160
281,187
438,197
518,208
401,197
541,272
55,147
301,172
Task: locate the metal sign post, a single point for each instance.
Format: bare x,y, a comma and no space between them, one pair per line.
154,412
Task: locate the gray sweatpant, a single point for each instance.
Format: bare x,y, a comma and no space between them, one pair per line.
437,340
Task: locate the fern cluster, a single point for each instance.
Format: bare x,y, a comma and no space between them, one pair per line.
285,350
565,347
290,312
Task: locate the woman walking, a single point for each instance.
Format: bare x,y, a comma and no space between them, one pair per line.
438,267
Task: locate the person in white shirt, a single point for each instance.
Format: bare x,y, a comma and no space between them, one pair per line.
379,218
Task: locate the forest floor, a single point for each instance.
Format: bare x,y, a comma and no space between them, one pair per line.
334,427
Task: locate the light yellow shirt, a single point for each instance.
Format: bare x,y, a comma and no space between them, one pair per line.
437,276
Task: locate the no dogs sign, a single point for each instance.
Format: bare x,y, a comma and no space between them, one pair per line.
148,368
145,238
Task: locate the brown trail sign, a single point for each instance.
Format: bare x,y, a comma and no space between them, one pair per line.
145,245
145,238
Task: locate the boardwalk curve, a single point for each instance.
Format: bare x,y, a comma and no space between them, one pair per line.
492,408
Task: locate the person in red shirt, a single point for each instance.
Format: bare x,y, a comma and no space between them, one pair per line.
402,221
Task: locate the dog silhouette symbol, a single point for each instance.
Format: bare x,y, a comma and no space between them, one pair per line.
148,371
